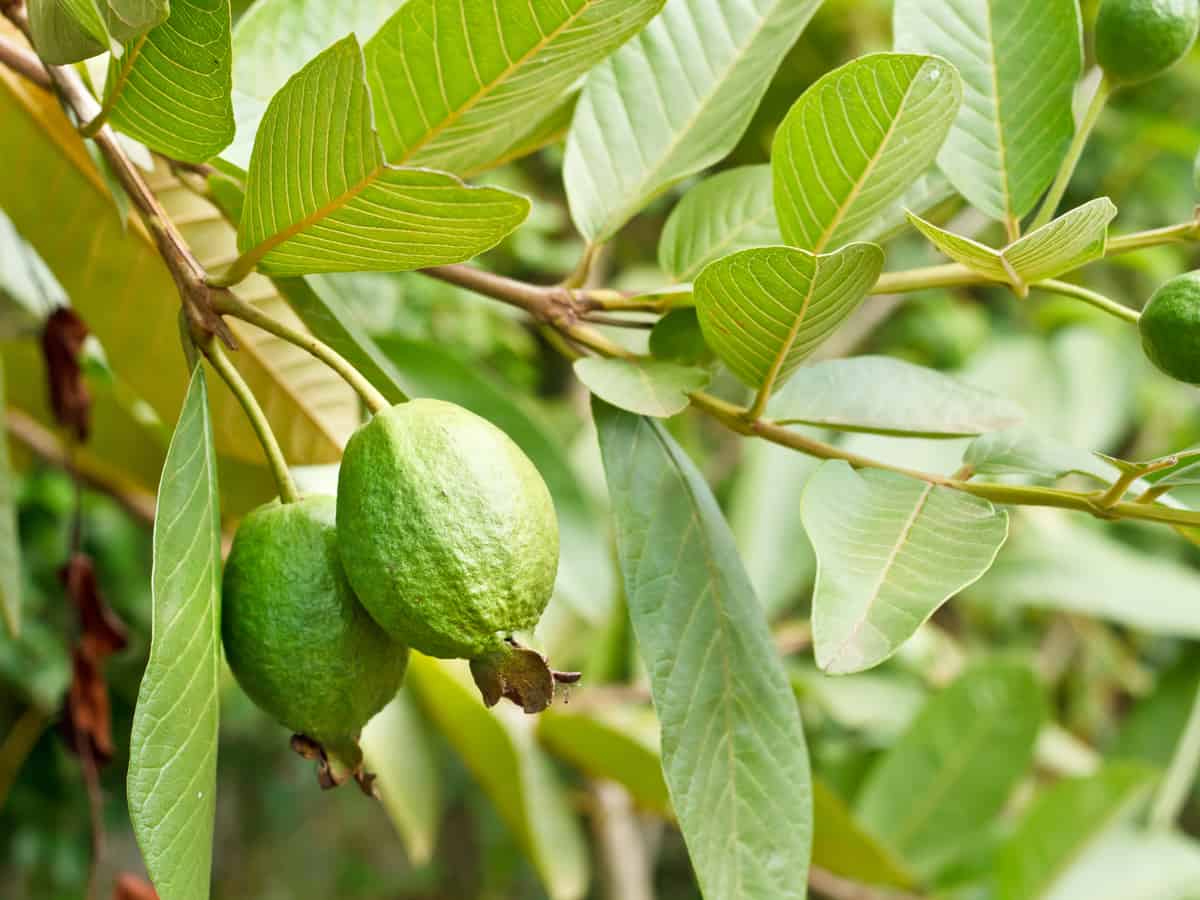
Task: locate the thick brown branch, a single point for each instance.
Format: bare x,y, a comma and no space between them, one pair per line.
25,64
190,277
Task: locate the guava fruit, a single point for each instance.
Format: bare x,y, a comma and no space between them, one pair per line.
448,535
297,639
1137,40
1170,327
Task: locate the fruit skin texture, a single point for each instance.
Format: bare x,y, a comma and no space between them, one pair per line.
1139,39
295,635
1170,327
446,529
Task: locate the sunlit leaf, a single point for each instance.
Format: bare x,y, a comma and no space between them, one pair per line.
649,387
671,102
941,784
172,780
1070,241
889,396
765,311
129,18
1062,823
890,551
321,198
1019,64
499,749
172,86
456,82
400,751
732,743
855,141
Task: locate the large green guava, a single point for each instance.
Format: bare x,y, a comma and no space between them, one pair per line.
1170,327
449,536
1137,40
297,639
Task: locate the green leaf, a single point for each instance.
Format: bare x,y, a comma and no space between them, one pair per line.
129,18
1057,563
1062,823
890,551
678,338
1019,64
172,781
765,311
67,31
879,705
1069,242
499,749
732,211
649,387
732,743
400,751
321,198
172,87
1129,864
1025,451
671,102
884,395
940,786
855,141
29,292
10,543
843,847
273,41
612,742
1154,726
764,513
456,82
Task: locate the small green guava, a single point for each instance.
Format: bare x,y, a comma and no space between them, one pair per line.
449,536
1137,40
297,639
1170,328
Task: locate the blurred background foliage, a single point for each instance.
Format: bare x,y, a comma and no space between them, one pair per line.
487,806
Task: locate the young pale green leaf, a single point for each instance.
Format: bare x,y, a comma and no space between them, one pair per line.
67,31
764,311
172,780
732,743
1026,451
890,551
400,751
842,846
648,387
321,198
855,142
29,292
884,395
1019,64
1055,563
938,788
671,102
615,743
1070,241
1062,823
127,19
732,211
10,544
171,88
455,82
273,41
764,513
499,749
1132,863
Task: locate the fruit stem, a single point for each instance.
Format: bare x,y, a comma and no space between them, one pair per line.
1104,90
1092,298
229,305
258,420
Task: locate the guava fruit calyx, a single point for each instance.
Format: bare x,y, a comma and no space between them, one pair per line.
519,674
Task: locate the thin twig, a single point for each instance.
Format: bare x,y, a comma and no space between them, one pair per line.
835,887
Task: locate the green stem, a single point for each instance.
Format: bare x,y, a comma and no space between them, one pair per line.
229,305
1181,773
583,271
1170,234
949,275
1090,297
1074,152
258,421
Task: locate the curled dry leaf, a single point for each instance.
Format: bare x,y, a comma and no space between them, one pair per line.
62,345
